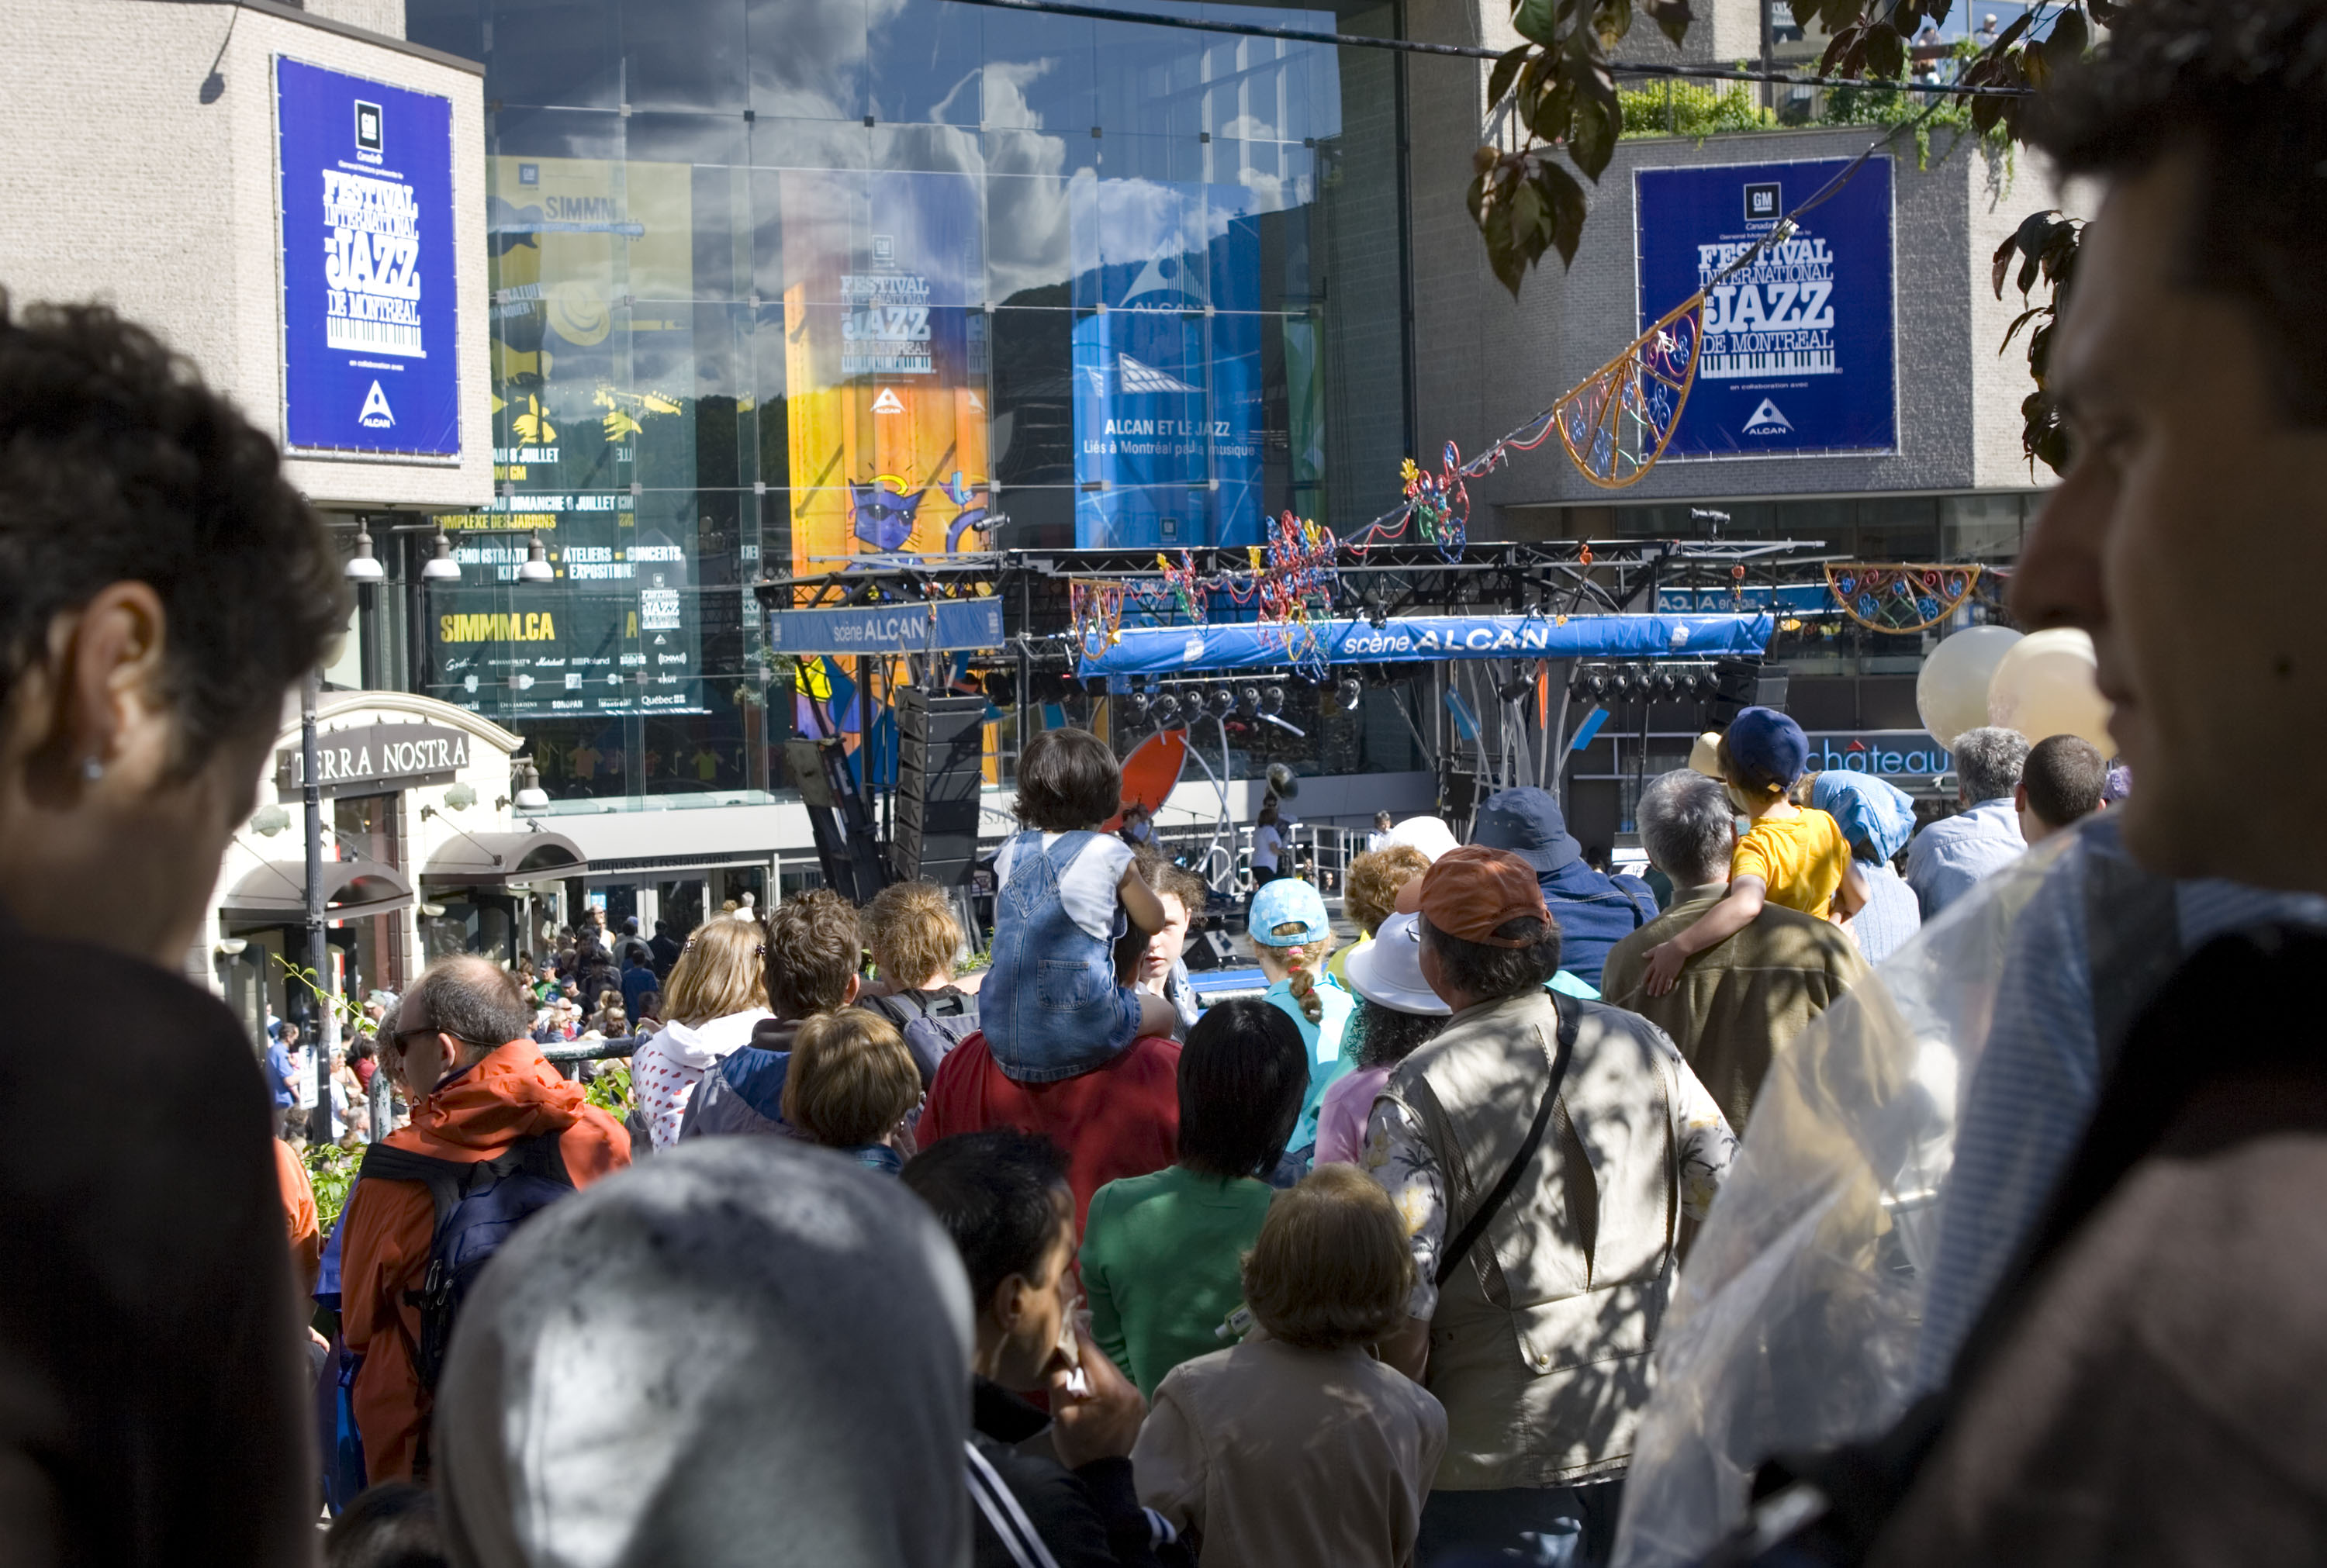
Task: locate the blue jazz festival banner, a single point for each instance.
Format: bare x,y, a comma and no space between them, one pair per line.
1167,367
1799,351
371,338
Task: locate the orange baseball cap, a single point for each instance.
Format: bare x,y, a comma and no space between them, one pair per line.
1468,892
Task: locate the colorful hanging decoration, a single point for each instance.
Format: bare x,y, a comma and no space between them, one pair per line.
1619,419
1095,609
1185,586
1900,598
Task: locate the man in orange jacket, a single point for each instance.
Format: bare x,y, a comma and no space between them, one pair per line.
462,1028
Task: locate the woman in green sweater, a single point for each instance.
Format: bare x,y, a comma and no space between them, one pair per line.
1162,1254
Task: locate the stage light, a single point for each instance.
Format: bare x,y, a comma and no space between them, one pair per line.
1001,687
1135,706
1596,684
1248,699
1272,698
1517,688
1377,612
1624,686
1166,711
1350,694
1663,686
1219,700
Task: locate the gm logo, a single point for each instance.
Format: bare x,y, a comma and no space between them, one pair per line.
1762,203
367,132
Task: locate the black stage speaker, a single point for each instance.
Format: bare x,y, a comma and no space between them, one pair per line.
1745,683
838,816
940,757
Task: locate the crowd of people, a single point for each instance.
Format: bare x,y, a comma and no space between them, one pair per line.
1049,1264
1247,1265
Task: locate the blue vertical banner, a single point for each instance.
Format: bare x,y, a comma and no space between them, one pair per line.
1167,364
371,327
1801,353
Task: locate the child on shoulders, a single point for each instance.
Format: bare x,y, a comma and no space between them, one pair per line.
1790,856
1051,1007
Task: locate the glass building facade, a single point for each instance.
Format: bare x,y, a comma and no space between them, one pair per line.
776,284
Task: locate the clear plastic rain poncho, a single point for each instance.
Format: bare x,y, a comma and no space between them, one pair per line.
1854,1243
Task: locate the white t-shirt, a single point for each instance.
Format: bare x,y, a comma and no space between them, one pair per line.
1267,844
1088,890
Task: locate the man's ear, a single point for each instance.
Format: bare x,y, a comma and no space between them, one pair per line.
855,985
1008,1304
2020,795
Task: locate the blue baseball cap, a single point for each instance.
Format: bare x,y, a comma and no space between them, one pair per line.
1764,740
1527,822
1288,913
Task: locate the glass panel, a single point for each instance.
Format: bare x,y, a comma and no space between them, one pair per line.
1039,73
811,144
685,54
923,63
686,139
948,149
456,26
520,132
1983,527
1033,433
553,51
807,58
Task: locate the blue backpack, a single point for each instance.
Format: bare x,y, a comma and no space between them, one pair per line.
478,1204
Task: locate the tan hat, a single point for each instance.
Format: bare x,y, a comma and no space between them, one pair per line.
1704,756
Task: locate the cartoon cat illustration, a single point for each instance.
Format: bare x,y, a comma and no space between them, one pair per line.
882,513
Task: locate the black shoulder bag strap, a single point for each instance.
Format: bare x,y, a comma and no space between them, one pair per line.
1570,1021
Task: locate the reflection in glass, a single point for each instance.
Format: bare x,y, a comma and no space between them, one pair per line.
738,330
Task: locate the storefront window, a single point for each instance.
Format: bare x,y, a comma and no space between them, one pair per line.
369,826
1124,284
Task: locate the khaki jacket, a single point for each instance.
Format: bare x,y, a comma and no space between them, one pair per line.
1539,1346
1737,1003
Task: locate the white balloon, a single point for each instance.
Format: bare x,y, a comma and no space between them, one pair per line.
1952,691
2045,686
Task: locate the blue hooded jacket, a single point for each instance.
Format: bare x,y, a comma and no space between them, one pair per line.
1595,910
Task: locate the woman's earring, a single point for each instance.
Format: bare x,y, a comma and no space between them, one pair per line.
93,770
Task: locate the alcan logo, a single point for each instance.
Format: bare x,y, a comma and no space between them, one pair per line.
375,415
1767,421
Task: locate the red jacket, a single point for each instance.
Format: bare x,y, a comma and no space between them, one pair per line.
511,1096
1122,1119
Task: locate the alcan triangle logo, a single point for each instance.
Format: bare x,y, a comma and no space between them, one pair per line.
375,415
1136,377
1767,421
888,401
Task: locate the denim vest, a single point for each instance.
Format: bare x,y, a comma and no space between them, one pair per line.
1050,1007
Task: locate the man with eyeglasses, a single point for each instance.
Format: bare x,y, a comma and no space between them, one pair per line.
479,1090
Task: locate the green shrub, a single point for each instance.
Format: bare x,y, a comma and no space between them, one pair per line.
331,1171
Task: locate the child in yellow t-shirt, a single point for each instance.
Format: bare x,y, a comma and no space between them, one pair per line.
1790,856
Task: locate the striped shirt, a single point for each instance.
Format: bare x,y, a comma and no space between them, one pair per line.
2034,1086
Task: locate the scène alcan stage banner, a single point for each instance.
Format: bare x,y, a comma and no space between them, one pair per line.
1410,639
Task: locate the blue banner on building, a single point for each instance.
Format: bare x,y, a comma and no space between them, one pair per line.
1159,650
1166,365
370,334
939,624
1800,353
